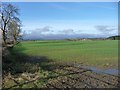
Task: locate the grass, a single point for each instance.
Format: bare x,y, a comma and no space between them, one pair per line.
102,54
49,56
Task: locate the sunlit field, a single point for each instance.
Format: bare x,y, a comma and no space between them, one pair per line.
102,54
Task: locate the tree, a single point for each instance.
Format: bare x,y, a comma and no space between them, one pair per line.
9,14
15,29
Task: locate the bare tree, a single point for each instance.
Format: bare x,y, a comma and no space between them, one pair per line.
8,13
14,30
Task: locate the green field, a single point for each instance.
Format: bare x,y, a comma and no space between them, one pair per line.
45,61
101,53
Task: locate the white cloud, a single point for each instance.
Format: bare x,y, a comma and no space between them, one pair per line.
67,31
104,29
39,33
44,29
48,32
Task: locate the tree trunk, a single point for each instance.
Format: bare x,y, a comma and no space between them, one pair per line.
14,39
4,35
4,38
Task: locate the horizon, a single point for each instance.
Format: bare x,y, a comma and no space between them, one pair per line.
53,20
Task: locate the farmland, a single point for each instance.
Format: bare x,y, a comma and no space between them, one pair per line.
93,53
53,64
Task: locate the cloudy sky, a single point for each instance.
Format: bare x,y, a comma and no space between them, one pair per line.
68,20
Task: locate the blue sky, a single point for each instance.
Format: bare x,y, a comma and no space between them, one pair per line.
43,20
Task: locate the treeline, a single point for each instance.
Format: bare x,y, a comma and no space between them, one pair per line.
10,24
114,38
108,38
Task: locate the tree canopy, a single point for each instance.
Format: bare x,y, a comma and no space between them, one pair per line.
10,23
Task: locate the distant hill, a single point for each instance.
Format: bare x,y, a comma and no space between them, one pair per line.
114,37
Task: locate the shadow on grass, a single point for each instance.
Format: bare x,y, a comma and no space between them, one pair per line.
16,63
